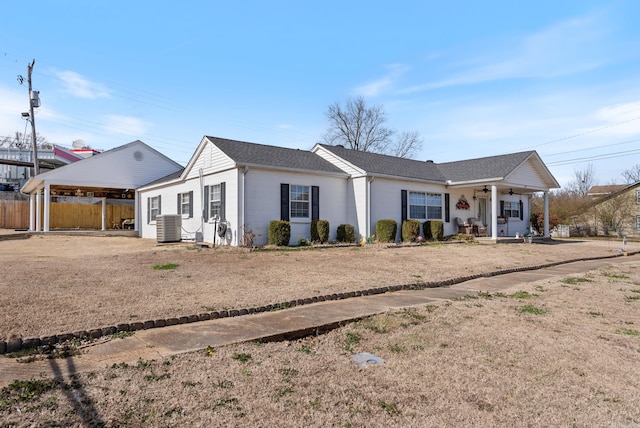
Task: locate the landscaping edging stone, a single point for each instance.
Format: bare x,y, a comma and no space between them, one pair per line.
16,344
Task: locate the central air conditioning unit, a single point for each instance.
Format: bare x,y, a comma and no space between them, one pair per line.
169,228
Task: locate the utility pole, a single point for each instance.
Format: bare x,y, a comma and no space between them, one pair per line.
34,101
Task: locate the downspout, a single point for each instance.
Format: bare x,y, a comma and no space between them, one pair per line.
242,202
368,216
201,202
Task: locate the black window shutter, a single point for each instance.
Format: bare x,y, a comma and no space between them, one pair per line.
148,210
521,208
179,203
403,206
205,209
284,202
159,206
315,203
447,210
222,201
502,208
191,204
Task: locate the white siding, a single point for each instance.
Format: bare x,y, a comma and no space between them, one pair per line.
210,160
386,201
169,205
526,175
130,166
338,162
360,217
262,202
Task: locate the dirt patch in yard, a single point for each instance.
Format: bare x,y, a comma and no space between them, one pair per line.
55,284
558,352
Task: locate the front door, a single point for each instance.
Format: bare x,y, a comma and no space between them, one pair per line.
482,210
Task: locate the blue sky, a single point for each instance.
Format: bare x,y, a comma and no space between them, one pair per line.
474,78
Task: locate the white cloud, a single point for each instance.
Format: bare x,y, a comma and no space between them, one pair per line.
125,125
375,88
78,86
567,48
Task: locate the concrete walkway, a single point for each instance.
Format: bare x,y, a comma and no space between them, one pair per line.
294,322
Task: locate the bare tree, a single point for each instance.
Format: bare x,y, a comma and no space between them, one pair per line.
583,180
363,128
22,141
407,144
632,174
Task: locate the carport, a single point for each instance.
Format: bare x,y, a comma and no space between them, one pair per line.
114,175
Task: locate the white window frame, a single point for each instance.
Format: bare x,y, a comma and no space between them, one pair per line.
154,208
428,205
299,202
185,206
638,222
638,197
510,211
215,203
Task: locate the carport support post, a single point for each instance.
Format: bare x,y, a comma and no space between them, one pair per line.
104,214
38,208
47,203
32,212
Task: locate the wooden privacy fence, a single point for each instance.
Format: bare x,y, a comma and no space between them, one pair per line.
14,214
62,215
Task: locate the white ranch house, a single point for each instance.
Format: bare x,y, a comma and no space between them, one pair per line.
246,185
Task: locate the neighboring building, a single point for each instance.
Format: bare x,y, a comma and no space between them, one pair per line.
598,192
16,164
246,185
617,212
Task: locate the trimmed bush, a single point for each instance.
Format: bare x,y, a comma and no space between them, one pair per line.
279,233
410,230
346,233
386,230
319,231
434,229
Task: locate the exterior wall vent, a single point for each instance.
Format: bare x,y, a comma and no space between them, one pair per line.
169,228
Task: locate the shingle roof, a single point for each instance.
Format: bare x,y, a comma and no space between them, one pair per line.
605,190
281,157
481,168
374,163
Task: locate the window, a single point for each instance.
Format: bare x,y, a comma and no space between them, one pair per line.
299,199
638,222
185,206
215,201
153,208
426,206
512,209
638,197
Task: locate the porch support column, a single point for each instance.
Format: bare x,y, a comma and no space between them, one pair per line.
546,214
104,214
494,212
32,212
38,208
47,203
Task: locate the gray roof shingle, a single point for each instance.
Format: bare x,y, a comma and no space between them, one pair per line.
279,157
483,168
374,163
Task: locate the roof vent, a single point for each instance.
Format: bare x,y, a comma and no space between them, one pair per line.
429,161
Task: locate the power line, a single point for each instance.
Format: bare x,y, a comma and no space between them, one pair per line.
597,157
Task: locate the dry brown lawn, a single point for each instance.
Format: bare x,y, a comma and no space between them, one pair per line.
560,352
